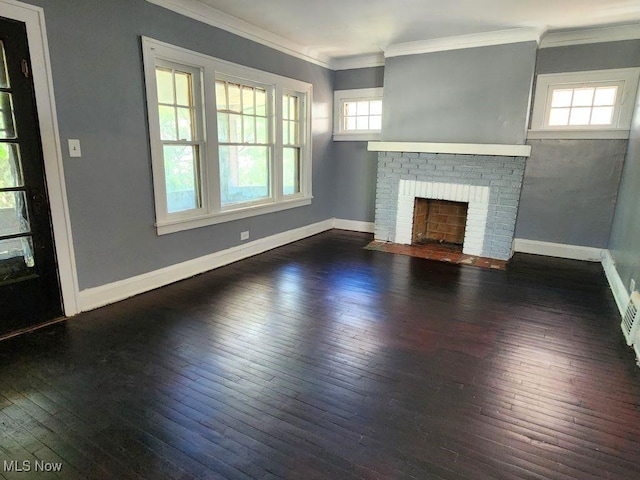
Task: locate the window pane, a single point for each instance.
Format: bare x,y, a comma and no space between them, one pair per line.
247,100
185,124
249,129
580,116
183,89
164,82
244,174
605,96
375,122
285,132
582,97
350,123
291,171
235,128
4,78
561,98
601,116
350,109
261,102
375,107
7,128
363,108
362,123
293,133
261,130
293,107
168,127
16,258
181,177
10,167
559,116
13,213
223,127
221,95
235,104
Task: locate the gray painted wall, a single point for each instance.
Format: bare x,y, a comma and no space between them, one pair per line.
355,167
624,243
570,186
474,95
98,79
569,191
371,77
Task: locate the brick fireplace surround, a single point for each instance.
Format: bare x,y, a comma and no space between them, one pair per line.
490,184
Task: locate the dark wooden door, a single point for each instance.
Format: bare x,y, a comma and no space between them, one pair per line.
29,287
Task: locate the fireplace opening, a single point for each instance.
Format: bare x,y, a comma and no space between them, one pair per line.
439,221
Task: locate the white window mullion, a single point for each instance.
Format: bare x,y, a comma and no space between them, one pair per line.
278,145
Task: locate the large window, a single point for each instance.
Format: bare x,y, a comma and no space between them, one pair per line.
227,141
594,104
357,114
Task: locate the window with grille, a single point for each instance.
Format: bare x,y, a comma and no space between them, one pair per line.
358,114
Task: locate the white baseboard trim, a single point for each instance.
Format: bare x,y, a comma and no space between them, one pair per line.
353,225
560,250
91,298
615,282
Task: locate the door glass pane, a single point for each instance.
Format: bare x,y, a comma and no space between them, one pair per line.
13,213
244,173
181,177
4,78
10,168
7,127
291,171
16,258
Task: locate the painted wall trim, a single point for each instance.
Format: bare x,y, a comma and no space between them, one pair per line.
112,292
458,148
358,61
560,250
615,282
485,39
353,225
590,35
211,16
34,19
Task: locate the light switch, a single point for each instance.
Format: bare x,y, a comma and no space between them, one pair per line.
74,148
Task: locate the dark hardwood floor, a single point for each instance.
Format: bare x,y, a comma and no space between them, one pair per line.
322,360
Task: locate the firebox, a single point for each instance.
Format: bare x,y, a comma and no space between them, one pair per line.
439,221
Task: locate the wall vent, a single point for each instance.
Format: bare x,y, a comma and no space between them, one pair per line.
631,319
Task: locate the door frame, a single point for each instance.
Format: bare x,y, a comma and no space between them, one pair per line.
33,17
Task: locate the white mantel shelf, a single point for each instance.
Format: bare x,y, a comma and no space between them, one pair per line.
456,148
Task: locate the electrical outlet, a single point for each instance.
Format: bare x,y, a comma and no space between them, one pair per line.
244,235
632,286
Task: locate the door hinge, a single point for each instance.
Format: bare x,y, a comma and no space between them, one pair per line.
25,69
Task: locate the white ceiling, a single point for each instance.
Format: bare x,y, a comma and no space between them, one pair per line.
327,30
337,28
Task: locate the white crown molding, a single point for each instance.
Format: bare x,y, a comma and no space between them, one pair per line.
211,16
358,61
453,148
486,39
590,35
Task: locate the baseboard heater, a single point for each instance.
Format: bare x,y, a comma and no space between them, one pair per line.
631,323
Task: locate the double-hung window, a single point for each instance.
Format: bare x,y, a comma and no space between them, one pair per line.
227,141
593,104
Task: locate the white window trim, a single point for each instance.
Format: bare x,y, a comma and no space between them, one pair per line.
211,211
340,96
624,108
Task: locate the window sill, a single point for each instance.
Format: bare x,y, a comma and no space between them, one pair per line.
173,226
356,137
609,134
